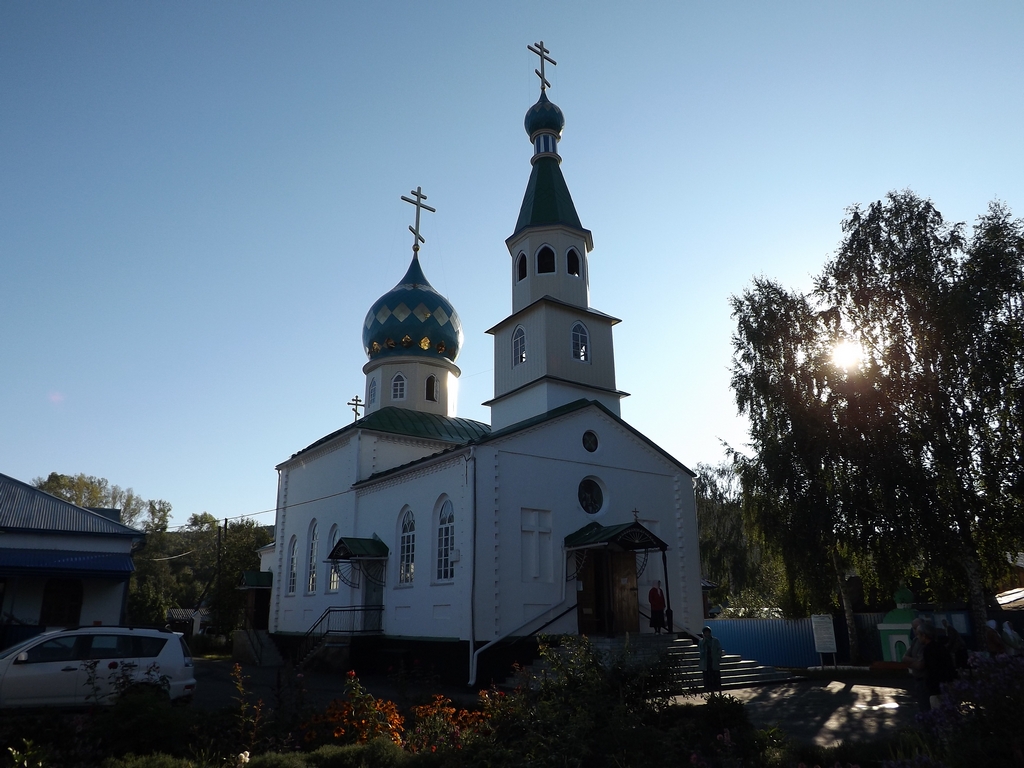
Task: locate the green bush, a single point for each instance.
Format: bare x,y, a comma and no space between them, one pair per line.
157,760
278,760
379,753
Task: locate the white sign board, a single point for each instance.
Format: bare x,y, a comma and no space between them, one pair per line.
824,634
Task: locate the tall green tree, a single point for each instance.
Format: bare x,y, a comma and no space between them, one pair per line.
88,491
750,581
912,457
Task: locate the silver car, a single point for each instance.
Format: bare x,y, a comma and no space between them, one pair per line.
94,665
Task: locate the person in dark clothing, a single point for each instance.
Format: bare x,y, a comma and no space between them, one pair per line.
657,600
956,645
912,658
710,654
937,662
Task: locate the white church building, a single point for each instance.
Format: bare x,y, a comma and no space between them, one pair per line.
413,525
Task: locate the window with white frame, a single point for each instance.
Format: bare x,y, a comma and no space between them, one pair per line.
580,343
371,396
314,543
407,549
398,387
518,346
445,542
293,565
334,576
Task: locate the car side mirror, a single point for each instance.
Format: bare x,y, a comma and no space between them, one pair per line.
21,658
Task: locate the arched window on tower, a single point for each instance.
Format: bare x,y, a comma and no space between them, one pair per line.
545,260
431,389
521,267
446,542
573,262
580,343
314,544
398,387
518,346
371,395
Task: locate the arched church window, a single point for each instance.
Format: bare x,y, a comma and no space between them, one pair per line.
293,564
521,267
62,603
314,543
407,549
334,577
371,395
445,542
545,260
398,387
573,262
580,343
432,389
518,346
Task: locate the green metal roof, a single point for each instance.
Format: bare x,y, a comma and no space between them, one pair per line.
547,200
402,421
257,579
629,536
352,548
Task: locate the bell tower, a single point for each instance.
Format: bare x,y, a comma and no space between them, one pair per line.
553,349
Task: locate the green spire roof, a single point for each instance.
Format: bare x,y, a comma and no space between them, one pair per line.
547,200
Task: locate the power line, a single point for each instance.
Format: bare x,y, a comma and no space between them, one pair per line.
267,511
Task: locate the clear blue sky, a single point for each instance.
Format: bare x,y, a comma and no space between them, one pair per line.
199,201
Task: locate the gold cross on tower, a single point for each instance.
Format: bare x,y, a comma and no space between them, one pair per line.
543,52
417,238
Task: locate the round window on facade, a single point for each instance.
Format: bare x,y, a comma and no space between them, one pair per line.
591,496
590,441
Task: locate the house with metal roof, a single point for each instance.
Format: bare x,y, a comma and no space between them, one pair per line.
413,526
61,565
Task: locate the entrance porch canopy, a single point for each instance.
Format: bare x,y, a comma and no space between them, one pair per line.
627,537
353,548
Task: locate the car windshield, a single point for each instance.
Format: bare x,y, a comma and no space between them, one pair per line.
17,648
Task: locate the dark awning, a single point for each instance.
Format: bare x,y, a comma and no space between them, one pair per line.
352,548
627,536
257,580
63,562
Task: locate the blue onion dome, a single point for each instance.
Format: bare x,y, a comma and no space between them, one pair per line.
412,319
544,116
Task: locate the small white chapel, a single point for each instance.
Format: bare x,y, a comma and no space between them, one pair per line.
413,525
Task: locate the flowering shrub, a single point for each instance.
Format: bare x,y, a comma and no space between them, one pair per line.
357,718
979,719
440,726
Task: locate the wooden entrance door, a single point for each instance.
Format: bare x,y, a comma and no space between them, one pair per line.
606,601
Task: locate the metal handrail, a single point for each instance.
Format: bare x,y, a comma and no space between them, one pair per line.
255,641
340,620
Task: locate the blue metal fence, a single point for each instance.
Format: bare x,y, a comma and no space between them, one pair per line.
776,642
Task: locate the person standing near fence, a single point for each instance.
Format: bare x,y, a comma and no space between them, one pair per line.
710,649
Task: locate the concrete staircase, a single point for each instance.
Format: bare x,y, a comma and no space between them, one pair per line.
681,659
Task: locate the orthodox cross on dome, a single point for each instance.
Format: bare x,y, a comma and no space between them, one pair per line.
417,238
636,515
543,52
356,404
